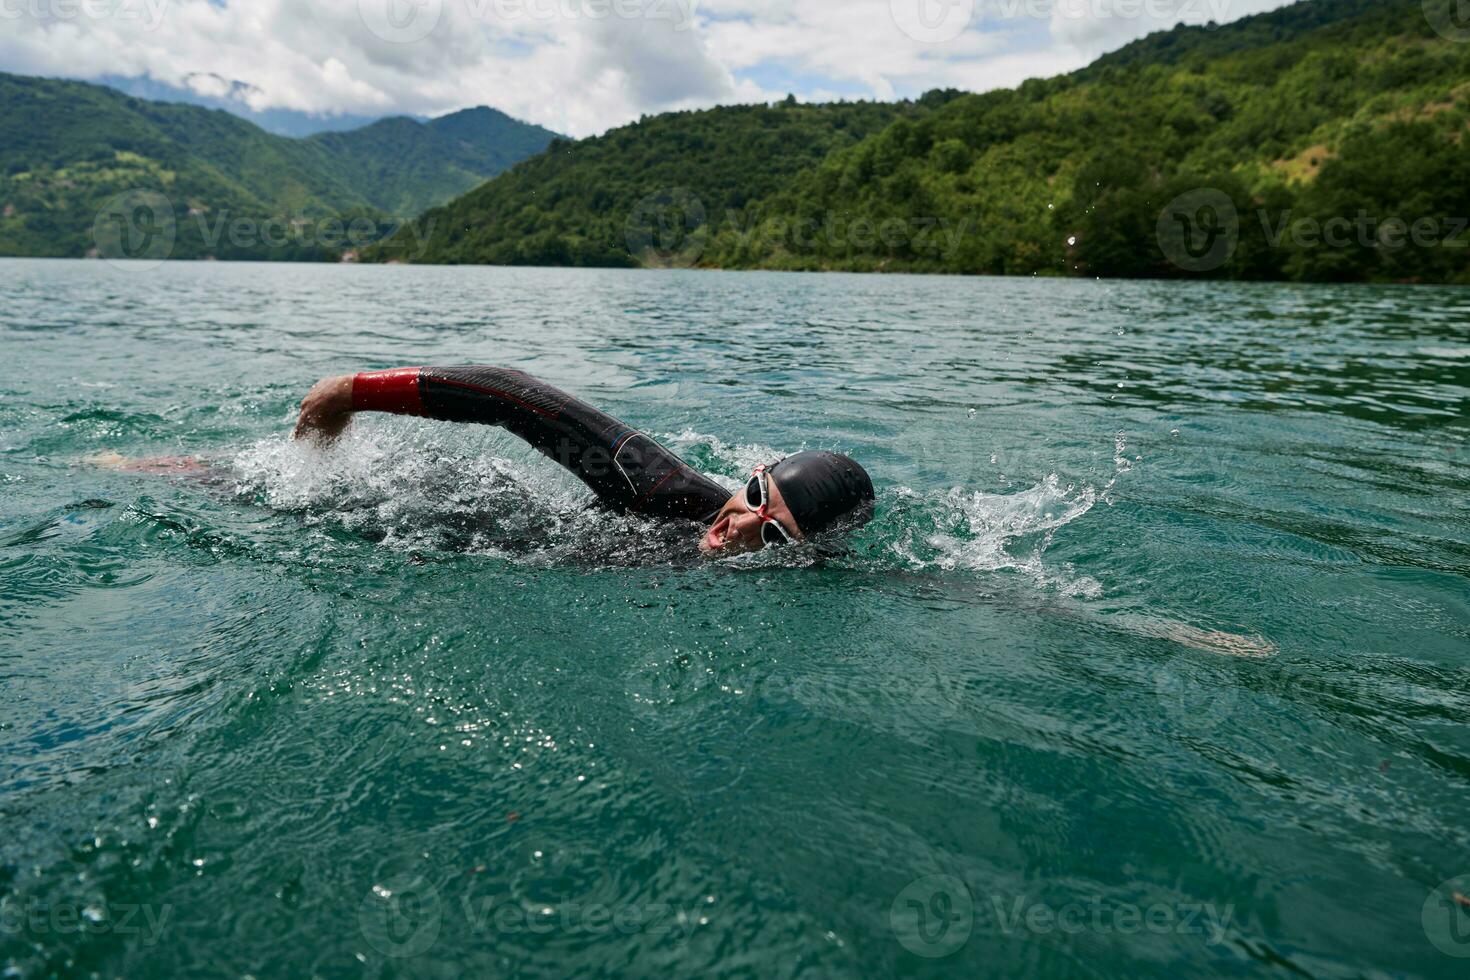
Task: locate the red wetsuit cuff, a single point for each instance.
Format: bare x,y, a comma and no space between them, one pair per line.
388,391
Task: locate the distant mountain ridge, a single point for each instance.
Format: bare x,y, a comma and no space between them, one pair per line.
67,148
232,99
409,166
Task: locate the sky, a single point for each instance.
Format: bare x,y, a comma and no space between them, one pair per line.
578,67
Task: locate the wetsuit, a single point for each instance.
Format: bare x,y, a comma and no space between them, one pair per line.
625,468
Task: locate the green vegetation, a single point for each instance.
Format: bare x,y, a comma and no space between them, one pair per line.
68,150
571,206
1323,141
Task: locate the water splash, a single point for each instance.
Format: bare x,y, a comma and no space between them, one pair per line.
408,486
961,529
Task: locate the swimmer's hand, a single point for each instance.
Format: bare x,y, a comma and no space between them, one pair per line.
326,409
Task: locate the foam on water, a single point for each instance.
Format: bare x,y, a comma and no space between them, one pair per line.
972,530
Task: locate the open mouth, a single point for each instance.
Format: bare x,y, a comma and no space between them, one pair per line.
719,537
714,538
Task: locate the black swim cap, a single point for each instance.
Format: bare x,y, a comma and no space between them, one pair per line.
820,487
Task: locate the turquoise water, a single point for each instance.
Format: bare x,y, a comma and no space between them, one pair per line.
1154,662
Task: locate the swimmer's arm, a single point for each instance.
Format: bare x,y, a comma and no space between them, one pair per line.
460,394
532,409
625,469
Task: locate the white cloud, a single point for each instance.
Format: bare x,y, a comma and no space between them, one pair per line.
577,66
658,65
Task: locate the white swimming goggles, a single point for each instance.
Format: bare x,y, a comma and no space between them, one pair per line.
757,501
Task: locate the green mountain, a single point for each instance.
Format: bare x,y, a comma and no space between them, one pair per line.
572,205
71,151
405,167
1321,141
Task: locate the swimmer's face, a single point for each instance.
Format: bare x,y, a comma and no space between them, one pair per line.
737,529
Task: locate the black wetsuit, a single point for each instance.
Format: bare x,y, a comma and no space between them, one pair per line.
625,468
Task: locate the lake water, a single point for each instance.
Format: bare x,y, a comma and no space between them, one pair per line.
1153,663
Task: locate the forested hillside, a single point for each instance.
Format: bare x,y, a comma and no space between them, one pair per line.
573,205
1072,175
1319,141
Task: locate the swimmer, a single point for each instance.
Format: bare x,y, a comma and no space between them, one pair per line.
787,501
784,502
